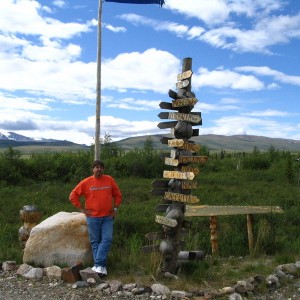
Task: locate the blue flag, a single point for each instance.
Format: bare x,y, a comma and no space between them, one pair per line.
160,2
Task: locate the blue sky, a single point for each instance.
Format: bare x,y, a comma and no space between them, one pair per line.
245,63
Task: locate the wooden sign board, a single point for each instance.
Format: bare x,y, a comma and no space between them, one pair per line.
165,221
169,161
195,170
178,175
182,84
184,75
189,185
164,125
184,102
157,192
181,144
161,207
167,105
181,197
192,118
172,94
160,183
193,159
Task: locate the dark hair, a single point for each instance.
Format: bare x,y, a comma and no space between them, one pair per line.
98,163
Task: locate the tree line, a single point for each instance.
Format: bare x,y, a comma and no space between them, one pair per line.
146,163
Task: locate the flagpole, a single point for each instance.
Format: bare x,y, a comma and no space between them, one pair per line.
98,85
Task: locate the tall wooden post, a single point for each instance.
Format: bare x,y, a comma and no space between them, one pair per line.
177,192
98,86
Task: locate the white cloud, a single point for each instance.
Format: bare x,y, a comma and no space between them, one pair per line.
226,79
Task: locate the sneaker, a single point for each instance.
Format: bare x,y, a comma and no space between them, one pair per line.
94,268
102,271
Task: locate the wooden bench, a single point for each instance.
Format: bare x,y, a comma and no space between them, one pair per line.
214,211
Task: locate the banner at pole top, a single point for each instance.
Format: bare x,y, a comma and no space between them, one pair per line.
160,2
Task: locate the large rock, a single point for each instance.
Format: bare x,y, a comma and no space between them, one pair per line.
59,240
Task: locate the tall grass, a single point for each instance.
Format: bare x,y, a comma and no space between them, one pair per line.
224,184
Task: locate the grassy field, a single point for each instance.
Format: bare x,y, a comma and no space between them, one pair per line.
277,235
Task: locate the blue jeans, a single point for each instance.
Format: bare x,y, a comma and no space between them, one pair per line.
100,234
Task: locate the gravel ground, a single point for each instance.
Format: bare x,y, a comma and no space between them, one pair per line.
15,287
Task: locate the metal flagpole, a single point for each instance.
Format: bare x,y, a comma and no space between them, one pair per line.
98,86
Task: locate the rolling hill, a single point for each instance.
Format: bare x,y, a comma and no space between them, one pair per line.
234,143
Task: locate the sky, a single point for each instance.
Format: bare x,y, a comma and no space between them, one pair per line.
245,63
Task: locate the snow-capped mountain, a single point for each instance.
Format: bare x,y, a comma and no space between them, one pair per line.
15,137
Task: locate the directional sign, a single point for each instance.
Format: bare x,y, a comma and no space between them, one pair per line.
195,170
169,161
178,175
182,84
189,185
167,105
193,159
164,125
160,183
181,197
172,94
161,207
165,221
184,75
192,117
175,142
184,102
158,192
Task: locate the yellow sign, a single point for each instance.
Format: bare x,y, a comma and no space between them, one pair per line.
181,197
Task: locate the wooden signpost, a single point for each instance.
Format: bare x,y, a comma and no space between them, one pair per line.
176,191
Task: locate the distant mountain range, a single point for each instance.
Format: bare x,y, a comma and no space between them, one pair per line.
238,143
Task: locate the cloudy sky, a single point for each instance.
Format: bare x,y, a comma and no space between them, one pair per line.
245,63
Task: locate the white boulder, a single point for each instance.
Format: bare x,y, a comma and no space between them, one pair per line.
61,240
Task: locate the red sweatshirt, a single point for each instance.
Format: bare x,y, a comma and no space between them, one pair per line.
101,195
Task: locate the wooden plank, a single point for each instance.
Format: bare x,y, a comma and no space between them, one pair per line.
178,175
169,161
175,142
208,210
160,183
157,192
193,159
165,221
182,144
182,84
184,75
184,102
192,117
181,197
167,105
195,170
161,207
164,125
189,185
172,94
